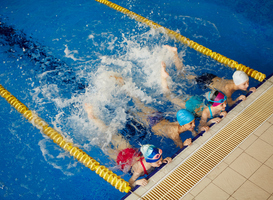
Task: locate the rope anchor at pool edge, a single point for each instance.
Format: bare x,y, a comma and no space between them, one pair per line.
79,154
216,56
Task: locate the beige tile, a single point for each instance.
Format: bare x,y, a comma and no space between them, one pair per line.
271,119
202,139
267,135
157,177
269,162
250,191
262,128
224,121
217,170
214,129
248,141
188,151
140,191
260,150
233,155
132,196
231,198
271,198
229,180
151,183
245,165
250,98
200,186
263,87
270,79
188,196
263,177
175,162
212,192
234,112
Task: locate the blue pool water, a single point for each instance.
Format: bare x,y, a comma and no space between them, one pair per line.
56,55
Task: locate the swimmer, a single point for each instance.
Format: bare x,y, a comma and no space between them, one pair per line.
215,110
150,159
187,121
129,158
240,80
158,124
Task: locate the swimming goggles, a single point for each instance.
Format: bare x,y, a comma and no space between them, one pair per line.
219,101
156,156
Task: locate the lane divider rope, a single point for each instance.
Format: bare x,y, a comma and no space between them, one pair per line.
57,138
216,56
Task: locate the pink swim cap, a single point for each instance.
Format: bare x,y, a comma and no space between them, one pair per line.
216,98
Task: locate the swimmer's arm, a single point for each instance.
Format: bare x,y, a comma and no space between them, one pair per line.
204,118
133,180
178,142
176,101
231,102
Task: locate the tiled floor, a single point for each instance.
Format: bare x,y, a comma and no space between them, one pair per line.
247,173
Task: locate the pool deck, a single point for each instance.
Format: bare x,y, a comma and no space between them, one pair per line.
233,160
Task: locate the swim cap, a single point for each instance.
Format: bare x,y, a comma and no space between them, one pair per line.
239,77
184,116
216,98
151,153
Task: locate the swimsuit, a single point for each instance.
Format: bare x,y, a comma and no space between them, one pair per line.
211,115
205,79
145,171
154,118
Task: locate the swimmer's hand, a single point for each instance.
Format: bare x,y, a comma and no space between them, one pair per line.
253,89
223,114
204,128
215,120
187,142
142,182
167,160
242,97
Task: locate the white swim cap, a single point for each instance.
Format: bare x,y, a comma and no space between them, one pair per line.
239,77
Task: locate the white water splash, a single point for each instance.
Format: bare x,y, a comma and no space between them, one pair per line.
71,54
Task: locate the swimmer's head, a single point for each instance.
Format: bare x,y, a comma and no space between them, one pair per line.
239,77
216,98
184,116
151,153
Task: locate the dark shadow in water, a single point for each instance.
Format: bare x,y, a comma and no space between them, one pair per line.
57,71
257,11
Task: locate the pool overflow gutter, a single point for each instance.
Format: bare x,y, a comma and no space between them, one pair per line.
216,56
57,138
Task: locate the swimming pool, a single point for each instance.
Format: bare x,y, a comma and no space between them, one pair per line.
58,59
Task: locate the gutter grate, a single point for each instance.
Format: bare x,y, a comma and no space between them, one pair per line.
196,167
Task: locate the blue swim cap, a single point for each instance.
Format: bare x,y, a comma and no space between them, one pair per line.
151,153
184,116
